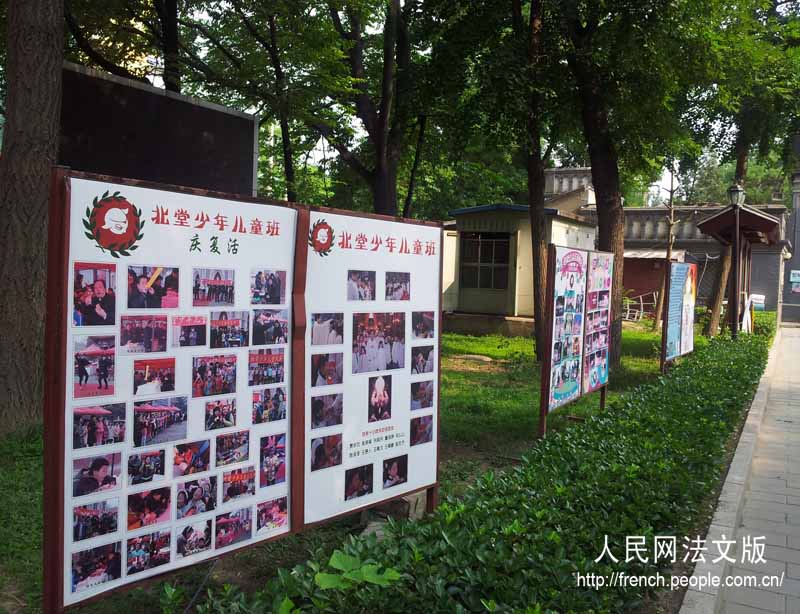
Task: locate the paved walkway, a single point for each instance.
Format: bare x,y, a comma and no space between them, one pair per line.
772,496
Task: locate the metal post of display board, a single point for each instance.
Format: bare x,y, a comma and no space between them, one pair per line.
664,315
54,396
547,354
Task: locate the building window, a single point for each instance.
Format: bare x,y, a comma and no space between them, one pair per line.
484,260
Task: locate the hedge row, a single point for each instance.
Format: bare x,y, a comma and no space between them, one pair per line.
513,542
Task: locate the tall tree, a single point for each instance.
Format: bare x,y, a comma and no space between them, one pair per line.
34,52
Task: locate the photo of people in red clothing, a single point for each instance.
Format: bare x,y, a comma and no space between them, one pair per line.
196,497
94,294
96,474
230,329
233,448
421,430
265,367
95,519
189,331
213,375
194,457
94,366
212,287
326,452
233,527
98,425
273,460
147,552
142,334
153,376
148,507
159,421
146,467
96,566
271,515
358,482
153,287
220,414
238,483
193,539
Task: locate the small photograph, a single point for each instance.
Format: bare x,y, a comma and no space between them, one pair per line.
326,410
358,482
146,467
559,306
577,322
272,515
148,507
94,366
153,287
273,460
557,349
96,474
327,328
398,286
422,395
220,414
148,551
95,519
379,341
591,301
159,421
327,369
602,299
267,287
422,359
270,326
360,285
153,376
269,405
196,497
96,566
94,295
395,471
213,375
142,334
98,425
380,398
212,287
421,430
589,322
265,367
230,329
238,483
326,452
189,331
193,539
233,527
233,448
423,325
189,458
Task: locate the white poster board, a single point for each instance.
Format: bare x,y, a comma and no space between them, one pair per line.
372,352
177,381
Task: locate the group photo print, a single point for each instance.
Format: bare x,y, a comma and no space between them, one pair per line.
380,398
189,331
146,467
190,458
326,452
142,334
147,552
213,375
94,361
398,286
153,376
212,287
94,295
98,425
220,414
327,369
230,329
95,474
193,539
96,566
327,328
233,527
270,326
272,460
360,285
159,421
233,448
326,410
238,483
271,515
379,341
267,287
265,367
423,325
153,287
148,507
269,405
95,519
196,497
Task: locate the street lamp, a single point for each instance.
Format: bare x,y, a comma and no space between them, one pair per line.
736,200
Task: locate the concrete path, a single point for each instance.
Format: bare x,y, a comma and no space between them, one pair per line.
771,506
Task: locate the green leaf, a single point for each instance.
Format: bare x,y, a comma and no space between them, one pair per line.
343,562
89,236
286,606
328,581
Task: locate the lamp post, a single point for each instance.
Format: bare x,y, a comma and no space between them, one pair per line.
736,200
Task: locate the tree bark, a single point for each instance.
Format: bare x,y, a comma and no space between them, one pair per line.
35,47
168,13
712,327
283,110
412,180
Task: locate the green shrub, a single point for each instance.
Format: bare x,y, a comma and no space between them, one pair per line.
513,541
765,323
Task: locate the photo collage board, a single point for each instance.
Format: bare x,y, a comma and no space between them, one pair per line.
679,321
177,381
372,350
581,321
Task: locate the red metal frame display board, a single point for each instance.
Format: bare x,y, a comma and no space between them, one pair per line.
181,419
677,322
576,354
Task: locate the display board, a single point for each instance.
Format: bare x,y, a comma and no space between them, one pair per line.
568,298
372,301
176,379
678,329
597,321
794,279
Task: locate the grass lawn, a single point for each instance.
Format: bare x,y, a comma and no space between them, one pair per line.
489,416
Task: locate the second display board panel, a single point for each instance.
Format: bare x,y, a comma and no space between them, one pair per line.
372,351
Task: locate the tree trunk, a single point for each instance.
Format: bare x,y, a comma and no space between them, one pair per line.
384,188
412,180
712,327
169,25
35,41
283,110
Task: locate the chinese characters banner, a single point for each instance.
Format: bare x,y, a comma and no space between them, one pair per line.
372,300
569,290
597,321
679,322
177,372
